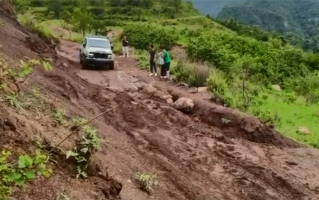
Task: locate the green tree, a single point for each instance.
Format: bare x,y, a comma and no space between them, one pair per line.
98,27
82,17
138,11
21,5
55,6
177,4
67,20
147,3
82,20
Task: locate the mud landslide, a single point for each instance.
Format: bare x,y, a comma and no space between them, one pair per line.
196,157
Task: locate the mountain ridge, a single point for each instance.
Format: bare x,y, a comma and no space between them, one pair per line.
297,20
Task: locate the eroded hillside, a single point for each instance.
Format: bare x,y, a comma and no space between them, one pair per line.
212,153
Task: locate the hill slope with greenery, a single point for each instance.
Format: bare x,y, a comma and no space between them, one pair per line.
213,7
244,67
297,20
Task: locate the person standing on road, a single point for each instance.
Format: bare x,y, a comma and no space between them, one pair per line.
161,62
125,47
167,61
152,61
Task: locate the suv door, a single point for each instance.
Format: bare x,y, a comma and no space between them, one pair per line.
82,48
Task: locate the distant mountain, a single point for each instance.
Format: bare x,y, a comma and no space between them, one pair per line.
213,7
297,19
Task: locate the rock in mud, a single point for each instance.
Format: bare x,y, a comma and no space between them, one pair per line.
303,131
150,90
169,99
184,104
276,87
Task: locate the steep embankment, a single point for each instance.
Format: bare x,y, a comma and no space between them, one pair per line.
213,153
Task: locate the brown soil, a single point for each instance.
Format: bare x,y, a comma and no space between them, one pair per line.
195,156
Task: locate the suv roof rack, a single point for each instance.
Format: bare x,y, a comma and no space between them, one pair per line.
96,36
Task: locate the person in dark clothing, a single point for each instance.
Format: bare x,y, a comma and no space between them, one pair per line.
152,61
111,43
125,47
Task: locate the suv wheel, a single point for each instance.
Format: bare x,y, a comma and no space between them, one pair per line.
80,57
111,66
84,65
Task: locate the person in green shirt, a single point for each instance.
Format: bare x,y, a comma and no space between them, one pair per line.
167,61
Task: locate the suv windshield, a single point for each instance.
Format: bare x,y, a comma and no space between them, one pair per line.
100,43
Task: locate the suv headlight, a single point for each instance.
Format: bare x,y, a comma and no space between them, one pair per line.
110,56
91,55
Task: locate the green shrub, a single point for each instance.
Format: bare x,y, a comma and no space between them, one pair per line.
142,59
217,84
182,71
29,21
194,74
141,36
307,86
269,62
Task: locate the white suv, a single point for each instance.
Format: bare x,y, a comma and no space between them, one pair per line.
96,51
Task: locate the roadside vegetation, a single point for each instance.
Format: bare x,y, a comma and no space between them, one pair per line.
244,67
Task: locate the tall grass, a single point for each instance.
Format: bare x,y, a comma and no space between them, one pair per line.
194,74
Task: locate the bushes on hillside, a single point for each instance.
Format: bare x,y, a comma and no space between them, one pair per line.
270,62
29,21
141,36
194,74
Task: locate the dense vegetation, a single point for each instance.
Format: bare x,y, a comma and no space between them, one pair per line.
297,20
213,7
240,64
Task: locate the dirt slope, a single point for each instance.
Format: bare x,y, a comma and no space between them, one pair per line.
195,156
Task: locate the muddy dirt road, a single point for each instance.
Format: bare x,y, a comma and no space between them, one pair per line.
194,159
196,156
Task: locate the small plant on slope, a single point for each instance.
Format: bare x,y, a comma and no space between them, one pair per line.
86,146
18,173
25,69
13,100
59,116
145,181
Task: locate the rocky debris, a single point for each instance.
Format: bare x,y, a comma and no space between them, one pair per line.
150,89
202,89
184,104
199,90
276,87
169,99
303,131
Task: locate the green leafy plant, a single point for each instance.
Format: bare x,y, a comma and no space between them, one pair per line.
85,147
13,100
146,181
17,173
77,122
27,67
59,116
141,36
63,196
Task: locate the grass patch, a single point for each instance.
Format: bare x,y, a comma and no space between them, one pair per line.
289,116
146,181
